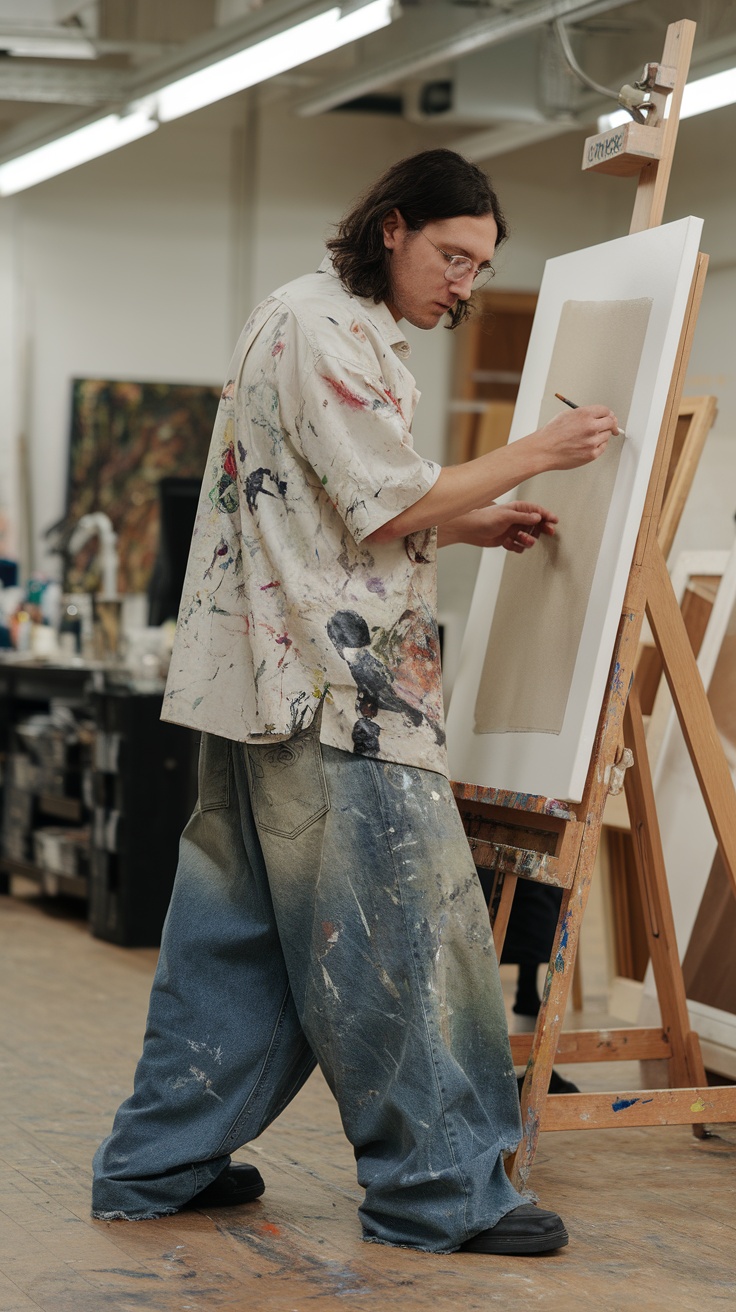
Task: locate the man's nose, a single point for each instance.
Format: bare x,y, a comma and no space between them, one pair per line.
462,285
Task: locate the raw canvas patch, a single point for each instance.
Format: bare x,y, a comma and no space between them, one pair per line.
544,594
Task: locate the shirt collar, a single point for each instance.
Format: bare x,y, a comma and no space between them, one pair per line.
378,313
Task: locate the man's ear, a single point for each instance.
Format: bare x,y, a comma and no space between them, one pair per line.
393,228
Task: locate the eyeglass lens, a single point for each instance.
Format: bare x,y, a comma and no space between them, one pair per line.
459,268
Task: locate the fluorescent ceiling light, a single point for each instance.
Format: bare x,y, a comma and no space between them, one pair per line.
698,98
709,93
276,54
75,148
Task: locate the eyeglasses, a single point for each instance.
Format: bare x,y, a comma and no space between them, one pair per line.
459,266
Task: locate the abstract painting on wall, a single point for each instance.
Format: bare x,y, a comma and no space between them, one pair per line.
125,437
542,626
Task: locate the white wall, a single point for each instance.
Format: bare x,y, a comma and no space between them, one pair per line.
8,392
144,264
123,265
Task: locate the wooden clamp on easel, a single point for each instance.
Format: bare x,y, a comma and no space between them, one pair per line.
522,836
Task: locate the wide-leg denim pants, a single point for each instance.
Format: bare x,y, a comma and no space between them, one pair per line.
325,909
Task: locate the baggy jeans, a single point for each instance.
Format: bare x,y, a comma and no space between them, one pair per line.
325,909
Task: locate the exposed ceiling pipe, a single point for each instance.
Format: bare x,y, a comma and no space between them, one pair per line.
444,43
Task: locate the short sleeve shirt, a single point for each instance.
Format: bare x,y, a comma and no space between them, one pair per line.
287,612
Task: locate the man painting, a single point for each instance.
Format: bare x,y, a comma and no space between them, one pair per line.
326,907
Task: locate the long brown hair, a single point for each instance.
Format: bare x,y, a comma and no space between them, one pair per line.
435,184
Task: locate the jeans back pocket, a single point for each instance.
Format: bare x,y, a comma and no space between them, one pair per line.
288,790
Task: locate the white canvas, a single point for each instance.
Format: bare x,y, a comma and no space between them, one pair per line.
688,840
657,265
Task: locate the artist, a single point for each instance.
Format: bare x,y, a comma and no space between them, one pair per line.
326,908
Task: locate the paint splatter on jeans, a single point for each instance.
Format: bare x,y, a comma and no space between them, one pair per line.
326,908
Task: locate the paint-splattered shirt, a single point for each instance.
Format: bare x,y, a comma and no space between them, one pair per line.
285,607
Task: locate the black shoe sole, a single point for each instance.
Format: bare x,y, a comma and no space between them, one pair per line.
517,1245
231,1198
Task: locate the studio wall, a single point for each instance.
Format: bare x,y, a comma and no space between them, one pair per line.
144,264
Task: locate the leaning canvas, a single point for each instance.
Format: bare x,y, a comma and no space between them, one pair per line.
695,870
542,627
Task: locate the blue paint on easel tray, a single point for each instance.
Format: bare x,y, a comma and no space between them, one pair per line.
622,1103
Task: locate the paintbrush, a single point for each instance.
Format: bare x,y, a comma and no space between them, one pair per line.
574,406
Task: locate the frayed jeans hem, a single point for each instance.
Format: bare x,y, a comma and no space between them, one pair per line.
139,1216
416,1248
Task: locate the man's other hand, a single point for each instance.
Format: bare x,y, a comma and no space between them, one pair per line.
516,525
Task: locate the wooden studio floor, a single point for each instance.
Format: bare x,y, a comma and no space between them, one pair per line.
651,1213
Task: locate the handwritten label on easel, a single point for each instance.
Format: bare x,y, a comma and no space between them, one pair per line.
604,147
623,149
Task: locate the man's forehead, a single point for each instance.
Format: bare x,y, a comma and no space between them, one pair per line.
472,235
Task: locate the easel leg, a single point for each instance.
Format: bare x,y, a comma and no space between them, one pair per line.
686,1064
577,984
693,708
549,1024
503,911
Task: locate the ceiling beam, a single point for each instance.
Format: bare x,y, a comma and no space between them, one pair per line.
66,38
479,146
22,79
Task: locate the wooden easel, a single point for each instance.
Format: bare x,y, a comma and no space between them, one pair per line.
696,417
522,836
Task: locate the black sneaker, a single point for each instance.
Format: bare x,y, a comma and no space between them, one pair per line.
235,1185
526,1230
557,1084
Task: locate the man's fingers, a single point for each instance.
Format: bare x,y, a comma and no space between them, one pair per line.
519,542
599,419
602,412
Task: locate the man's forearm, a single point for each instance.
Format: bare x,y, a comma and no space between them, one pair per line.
565,442
461,489
463,528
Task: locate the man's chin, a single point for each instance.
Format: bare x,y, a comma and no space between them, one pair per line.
427,318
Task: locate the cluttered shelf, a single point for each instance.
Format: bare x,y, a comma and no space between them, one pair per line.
95,791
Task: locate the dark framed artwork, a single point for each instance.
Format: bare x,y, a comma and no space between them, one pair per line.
126,437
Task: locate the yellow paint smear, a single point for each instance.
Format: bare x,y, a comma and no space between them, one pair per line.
698,1105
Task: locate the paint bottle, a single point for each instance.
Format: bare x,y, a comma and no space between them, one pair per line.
70,630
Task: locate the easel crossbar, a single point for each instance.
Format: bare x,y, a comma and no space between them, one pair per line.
602,1111
536,866
599,1045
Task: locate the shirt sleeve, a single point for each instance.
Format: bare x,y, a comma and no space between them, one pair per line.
351,430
